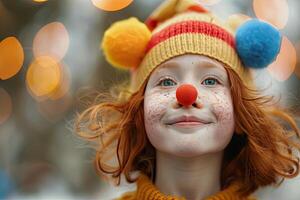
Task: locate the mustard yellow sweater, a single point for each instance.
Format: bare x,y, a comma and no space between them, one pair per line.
147,191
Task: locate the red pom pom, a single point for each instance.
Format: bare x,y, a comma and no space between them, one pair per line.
186,94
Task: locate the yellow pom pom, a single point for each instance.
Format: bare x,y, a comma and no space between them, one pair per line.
124,43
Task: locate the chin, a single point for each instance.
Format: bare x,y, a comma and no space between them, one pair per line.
188,152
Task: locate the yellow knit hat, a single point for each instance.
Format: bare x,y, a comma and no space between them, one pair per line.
180,27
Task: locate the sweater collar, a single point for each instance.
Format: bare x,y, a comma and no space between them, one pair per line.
147,191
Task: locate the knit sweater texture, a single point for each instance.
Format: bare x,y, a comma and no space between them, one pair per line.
147,191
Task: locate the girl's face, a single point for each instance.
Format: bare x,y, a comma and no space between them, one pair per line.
213,107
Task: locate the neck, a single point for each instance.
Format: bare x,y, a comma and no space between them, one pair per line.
192,178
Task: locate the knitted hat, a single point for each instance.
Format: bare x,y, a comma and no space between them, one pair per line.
179,27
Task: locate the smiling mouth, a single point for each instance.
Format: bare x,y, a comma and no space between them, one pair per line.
187,124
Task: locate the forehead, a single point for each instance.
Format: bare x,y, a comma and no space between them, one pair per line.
182,62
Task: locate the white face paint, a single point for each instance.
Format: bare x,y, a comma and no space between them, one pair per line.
213,104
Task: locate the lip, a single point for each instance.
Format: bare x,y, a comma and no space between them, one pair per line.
188,124
186,120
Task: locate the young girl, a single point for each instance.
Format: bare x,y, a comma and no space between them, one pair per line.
190,121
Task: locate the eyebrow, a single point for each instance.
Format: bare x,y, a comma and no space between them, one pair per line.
205,64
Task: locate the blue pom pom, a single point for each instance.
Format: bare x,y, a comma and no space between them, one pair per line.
258,43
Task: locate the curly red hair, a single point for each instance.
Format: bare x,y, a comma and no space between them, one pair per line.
261,152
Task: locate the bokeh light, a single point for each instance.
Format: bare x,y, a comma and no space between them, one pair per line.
51,40
208,2
275,12
43,76
5,105
297,68
64,85
11,57
236,20
284,65
40,1
111,5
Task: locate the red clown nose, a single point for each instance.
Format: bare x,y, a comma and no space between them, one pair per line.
186,94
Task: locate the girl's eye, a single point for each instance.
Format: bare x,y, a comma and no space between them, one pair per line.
167,82
210,81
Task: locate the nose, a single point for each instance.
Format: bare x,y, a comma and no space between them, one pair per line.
186,94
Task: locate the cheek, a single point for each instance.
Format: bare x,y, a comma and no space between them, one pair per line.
222,107
155,105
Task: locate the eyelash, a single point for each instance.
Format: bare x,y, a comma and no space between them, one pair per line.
168,78
165,78
217,81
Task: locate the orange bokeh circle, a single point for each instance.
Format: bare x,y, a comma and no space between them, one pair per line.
284,65
43,76
111,5
51,40
11,57
40,1
275,12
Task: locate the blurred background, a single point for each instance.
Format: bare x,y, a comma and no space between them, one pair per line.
50,59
